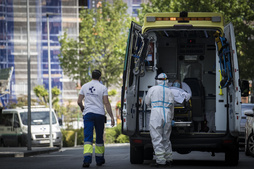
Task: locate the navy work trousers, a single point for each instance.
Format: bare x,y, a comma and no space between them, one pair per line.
91,121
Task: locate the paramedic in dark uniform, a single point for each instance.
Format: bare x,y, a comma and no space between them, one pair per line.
161,100
95,96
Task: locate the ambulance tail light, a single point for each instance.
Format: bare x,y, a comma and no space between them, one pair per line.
227,141
137,141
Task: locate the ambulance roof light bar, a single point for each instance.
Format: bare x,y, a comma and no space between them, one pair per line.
183,19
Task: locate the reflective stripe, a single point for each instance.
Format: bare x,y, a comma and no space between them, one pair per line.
161,102
168,156
88,149
161,107
99,155
88,142
99,145
99,149
164,101
87,154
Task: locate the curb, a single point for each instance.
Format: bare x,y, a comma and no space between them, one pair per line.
27,153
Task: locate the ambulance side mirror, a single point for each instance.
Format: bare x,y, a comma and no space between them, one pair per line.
60,121
244,85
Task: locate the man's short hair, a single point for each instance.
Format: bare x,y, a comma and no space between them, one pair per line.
96,74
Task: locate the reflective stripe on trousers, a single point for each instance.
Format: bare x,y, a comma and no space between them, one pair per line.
99,150
88,149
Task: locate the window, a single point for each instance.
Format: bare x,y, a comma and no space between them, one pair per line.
136,1
6,120
38,118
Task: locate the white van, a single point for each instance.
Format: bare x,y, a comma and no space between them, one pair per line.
198,49
13,127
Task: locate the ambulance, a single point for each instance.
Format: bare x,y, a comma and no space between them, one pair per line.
14,127
198,49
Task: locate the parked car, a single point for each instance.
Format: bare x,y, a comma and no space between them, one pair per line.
245,106
249,135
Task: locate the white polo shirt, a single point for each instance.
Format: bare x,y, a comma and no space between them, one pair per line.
94,92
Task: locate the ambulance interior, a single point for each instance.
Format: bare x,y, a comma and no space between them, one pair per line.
190,56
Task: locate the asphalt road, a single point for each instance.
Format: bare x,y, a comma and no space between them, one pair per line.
117,157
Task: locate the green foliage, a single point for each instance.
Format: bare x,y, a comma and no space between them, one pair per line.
43,96
70,112
21,101
118,129
239,12
101,44
112,92
118,105
122,139
69,137
111,135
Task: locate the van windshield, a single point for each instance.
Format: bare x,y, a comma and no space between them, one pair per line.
38,118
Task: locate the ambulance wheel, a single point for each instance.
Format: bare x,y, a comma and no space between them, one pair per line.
232,156
136,154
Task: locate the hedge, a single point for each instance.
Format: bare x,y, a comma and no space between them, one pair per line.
111,135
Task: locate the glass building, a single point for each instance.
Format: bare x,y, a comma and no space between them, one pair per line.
64,16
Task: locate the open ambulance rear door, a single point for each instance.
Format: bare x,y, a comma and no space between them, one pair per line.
234,115
129,96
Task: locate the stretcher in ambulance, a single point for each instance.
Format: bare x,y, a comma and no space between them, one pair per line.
199,50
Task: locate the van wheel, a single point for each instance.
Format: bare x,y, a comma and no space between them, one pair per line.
1,143
249,150
136,154
232,156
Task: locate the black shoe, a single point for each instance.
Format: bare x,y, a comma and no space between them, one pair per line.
158,165
169,164
86,165
100,164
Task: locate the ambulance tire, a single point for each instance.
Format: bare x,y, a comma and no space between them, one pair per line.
232,156
136,154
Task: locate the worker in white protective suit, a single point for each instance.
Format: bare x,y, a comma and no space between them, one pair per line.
161,100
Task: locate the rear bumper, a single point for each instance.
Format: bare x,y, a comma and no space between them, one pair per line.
206,142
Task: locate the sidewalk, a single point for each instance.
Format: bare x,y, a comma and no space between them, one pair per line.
23,152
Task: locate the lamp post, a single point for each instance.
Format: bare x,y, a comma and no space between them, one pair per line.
50,93
29,147
50,86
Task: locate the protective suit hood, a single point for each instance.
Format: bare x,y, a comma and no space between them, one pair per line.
159,80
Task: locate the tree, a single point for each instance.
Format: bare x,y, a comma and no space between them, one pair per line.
21,101
239,12
43,97
101,45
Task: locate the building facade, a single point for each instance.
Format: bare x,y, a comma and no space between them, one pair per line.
64,16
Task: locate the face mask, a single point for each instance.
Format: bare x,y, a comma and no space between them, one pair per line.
176,84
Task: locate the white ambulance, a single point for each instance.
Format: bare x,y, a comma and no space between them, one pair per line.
13,127
198,49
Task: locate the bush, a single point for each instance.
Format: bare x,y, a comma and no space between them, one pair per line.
69,137
111,135
122,139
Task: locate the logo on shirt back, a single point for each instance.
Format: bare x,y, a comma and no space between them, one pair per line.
92,89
